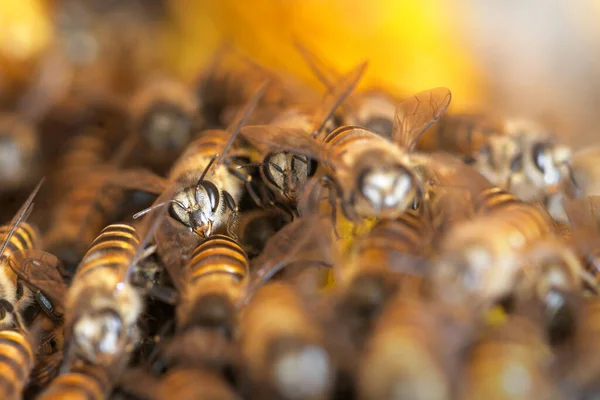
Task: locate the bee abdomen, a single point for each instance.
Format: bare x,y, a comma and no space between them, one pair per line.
83,152
24,238
86,382
495,198
218,254
16,362
115,246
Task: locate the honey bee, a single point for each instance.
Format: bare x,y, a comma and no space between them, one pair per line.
18,357
390,258
20,141
106,46
201,204
211,286
373,110
101,309
283,347
285,173
230,81
102,305
411,353
372,177
164,113
484,261
89,198
511,153
511,361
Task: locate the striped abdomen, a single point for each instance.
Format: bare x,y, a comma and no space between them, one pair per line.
80,216
85,382
113,249
349,138
82,153
459,134
214,279
25,237
404,235
199,153
16,362
219,254
526,219
494,198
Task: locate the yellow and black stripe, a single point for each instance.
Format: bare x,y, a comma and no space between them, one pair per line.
199,153
495,198
83,152
459,134
219,254
403,235
213,279
338,141
85,382
24,237
80,216
526,219
16,363
113,249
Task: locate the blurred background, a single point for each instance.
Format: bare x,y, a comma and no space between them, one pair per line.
534,58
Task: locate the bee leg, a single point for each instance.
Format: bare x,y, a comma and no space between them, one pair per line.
247,179
234,218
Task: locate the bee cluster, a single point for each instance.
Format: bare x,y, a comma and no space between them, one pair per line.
248,237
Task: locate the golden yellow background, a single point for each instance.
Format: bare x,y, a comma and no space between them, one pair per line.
410,45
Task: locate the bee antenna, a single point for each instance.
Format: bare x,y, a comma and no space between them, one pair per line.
210,164
251,165
159,205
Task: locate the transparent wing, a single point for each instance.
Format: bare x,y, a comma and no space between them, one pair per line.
41,270
415,115
295,242
336,97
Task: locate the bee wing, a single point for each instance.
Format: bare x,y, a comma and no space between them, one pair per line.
336,97
285,247
41,270
324,73
148,229
136,179
415,115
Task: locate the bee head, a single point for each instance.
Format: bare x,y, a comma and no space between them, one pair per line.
99,335
166,126
195,207
388,190
286,173
548,162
